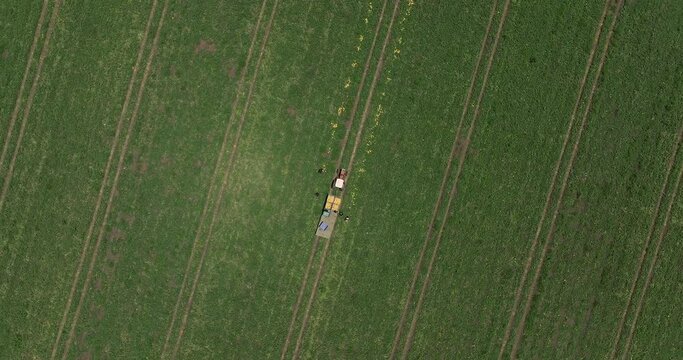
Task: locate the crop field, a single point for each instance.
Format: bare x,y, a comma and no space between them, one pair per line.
513,190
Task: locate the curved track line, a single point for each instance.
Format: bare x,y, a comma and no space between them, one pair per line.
650,274
565,180
354,108
356,145
411,333
553,182
22,86
219,160
442,187
110,201
107,168
29,102
228,171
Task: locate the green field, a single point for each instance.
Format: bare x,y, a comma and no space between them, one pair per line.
513,192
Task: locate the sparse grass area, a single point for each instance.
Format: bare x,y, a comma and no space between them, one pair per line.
294,122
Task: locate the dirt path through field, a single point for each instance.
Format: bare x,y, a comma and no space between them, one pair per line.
553,223
646,245
121,160
214,176
454,148
29,103
311,298
105,178
344,141
553,183
22,86
300,296
231,161
356,145
463,154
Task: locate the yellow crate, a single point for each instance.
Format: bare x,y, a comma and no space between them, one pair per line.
332,203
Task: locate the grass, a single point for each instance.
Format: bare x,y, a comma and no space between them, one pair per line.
504,181
57,174
294,124
623,188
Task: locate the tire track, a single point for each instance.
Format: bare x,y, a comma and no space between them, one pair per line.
442,187
22,86
300,296
461,161
212,183
359,133
110,201
651,270
105,178
309,304
553,183
361,85
565,180
648,239
29,102
231,161
345,139
100,195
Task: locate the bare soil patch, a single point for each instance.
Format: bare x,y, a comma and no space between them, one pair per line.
82,338
129,219
116,234
112,256
169,190
140,165
205,46
166,160
108,270
291,111
97,311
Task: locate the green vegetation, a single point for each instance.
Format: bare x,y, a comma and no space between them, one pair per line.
282,101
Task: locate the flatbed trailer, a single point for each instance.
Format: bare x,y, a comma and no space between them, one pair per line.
326,224
329,216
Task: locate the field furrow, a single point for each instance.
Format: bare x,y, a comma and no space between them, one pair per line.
512,188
